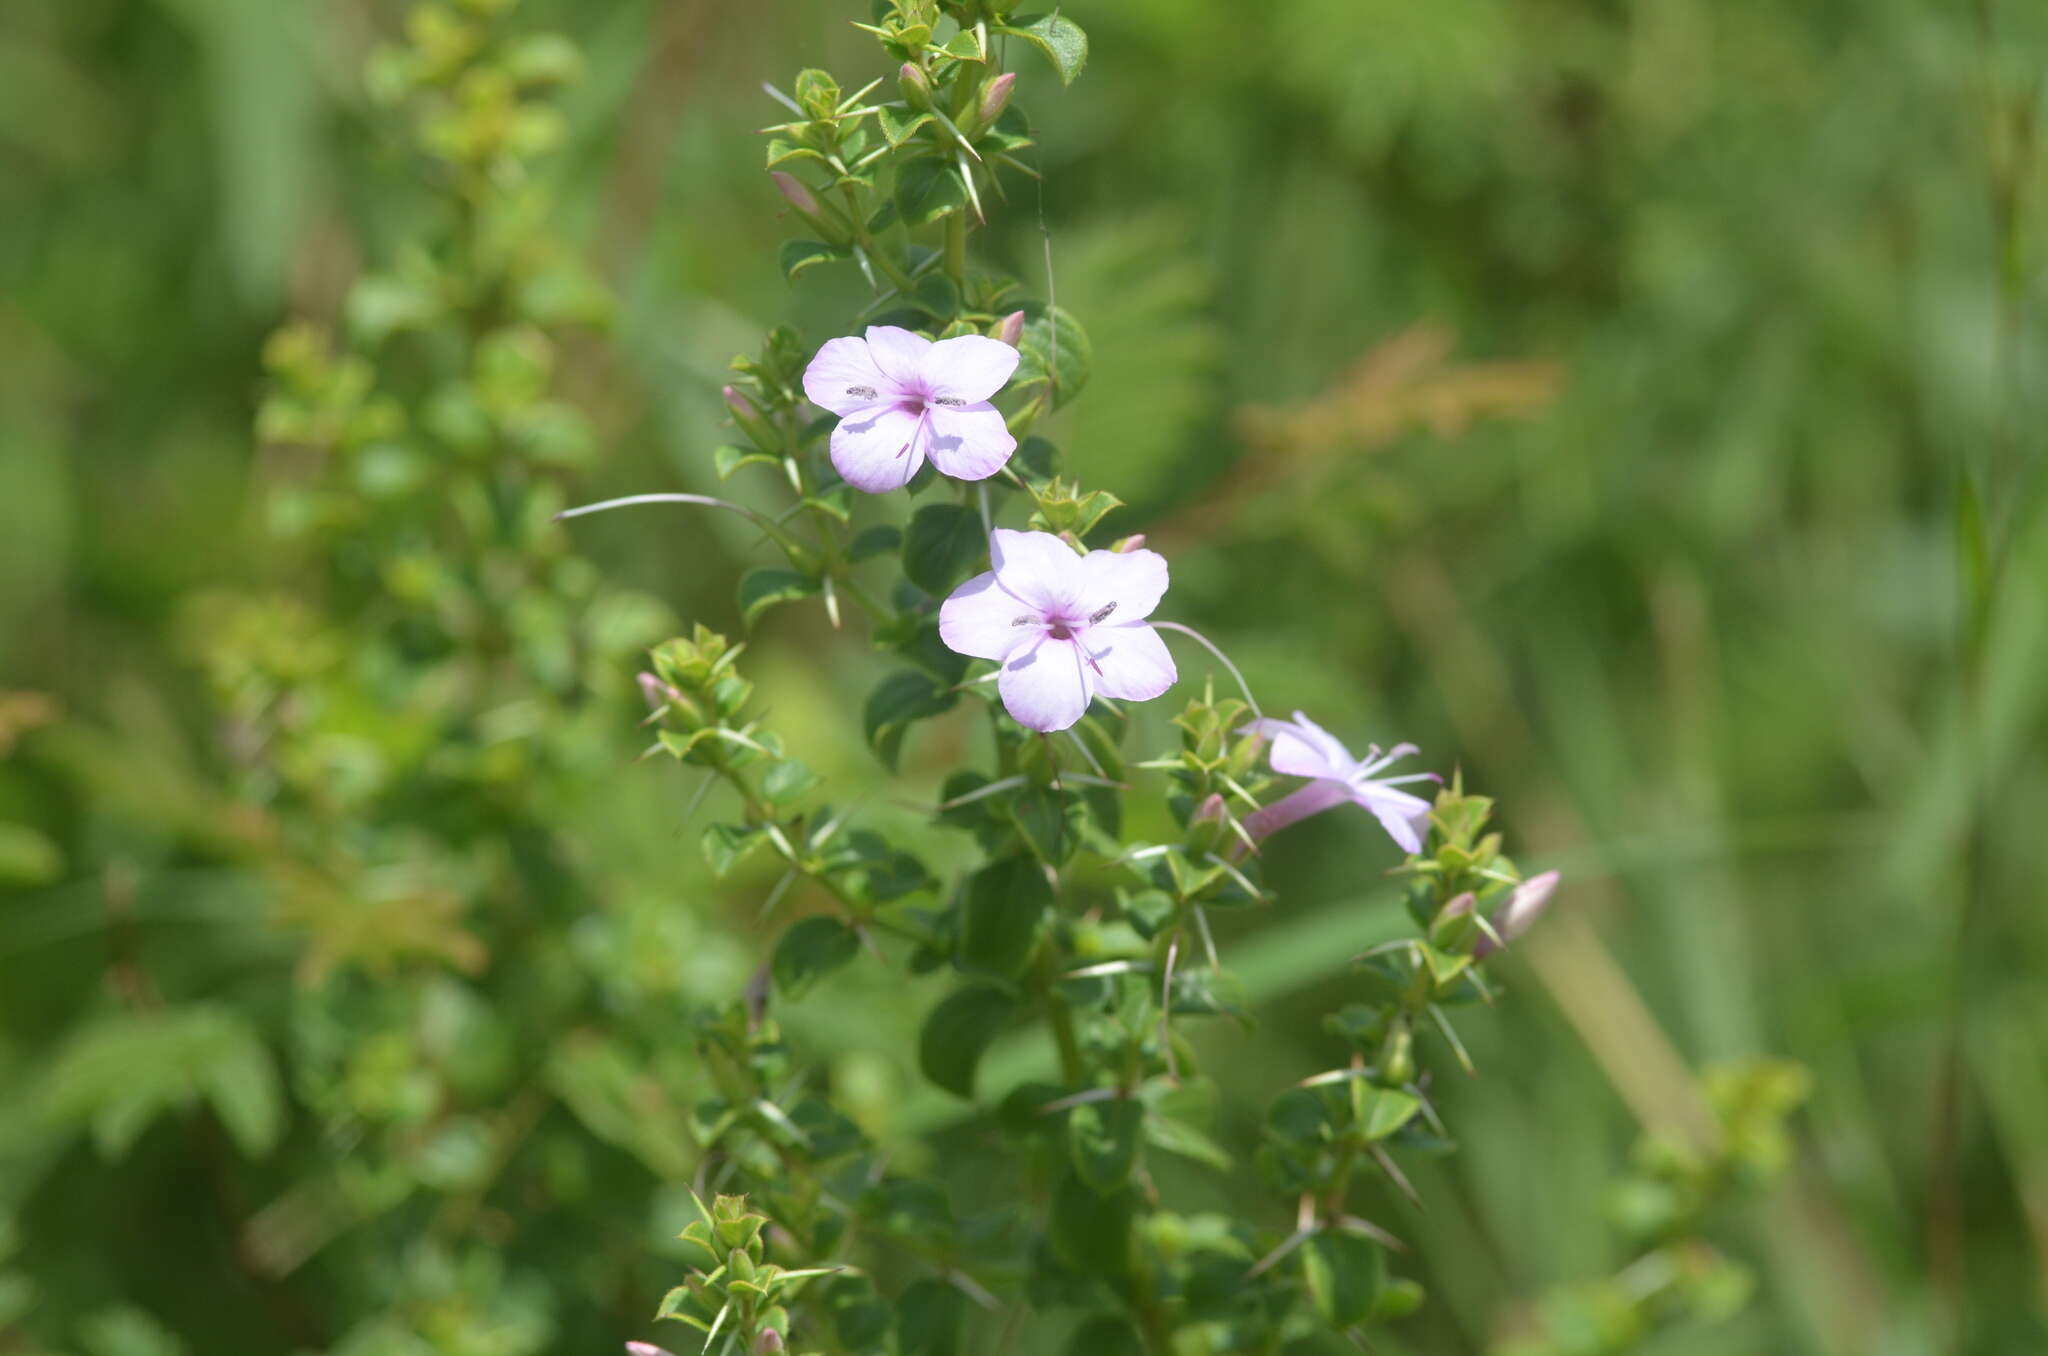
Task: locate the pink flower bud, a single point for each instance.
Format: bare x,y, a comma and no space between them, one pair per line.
996,97
768,1342
1134,542
916,86
1011,328
737,403
1210,809
1520,913
794,192
646,1349
657,693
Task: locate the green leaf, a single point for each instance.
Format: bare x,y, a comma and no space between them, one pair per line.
958,1031
787,781
942,541
798,255
1103,1140
1382,1111
27,857
931,1318
1091,1233
1345,1273
897,702
727,458
1178,1137
1105,1335
1000,918
119,1075
927,188
725,844
769,585
872,542
899,121
809,951
1059,38
1055,349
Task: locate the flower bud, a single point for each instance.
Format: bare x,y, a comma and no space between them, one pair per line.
1520,913
646,1349
995,98
737,402
769,1341
916,86
655,691
794,192
1131,543
1010,328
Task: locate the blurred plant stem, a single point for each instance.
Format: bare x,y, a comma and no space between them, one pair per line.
1989,499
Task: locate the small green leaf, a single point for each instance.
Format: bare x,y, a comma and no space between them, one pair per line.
1055,350
942,541
931,1318
725,844
813,948
1345,1273
872,542
765,587
1001,915
958,1031
1382,1111
787,781
1103,1140
899,121
1178,1137
896,702
1091,1233
728,458
1059,38
798,255
927,188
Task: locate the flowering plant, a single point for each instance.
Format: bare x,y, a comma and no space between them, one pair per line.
1075,921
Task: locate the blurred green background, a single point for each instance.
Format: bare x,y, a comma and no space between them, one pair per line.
1582,390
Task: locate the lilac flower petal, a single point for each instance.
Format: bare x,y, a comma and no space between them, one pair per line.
1038,569
1313,799
1133,580
843,378
899,354
1399,813
879,450
1131,661
980,620
1044,686
969,369
1303,753
971,443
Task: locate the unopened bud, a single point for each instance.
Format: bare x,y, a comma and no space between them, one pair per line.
996,98
646,1349
657,693
769,1341
794,192
916,86
1520,913
1135,541
1010,328
737,402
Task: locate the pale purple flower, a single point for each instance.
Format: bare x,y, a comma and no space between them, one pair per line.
1066,628
902,398
1302,748
1519,914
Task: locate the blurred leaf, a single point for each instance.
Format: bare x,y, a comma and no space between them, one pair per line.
1103,1140
1000,916
897,702
120,1074
1345,1274
767,586
956,1033
813,948
1059,38
941,543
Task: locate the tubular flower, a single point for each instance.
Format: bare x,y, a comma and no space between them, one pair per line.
1065,628
1302,748
901,399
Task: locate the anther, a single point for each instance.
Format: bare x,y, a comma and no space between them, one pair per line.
1102,612
951,402
861,392
1025,620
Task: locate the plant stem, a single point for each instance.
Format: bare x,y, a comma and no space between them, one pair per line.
956,248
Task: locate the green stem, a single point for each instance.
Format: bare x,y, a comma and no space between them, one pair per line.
1060,1017
956,249
876,255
